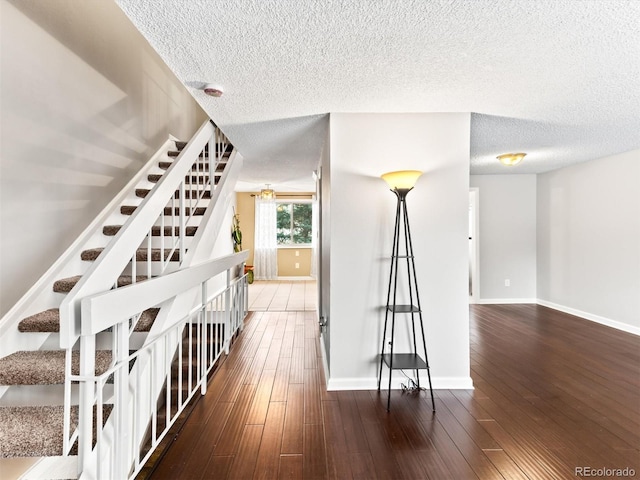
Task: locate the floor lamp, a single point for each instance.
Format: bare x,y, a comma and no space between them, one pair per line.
401,183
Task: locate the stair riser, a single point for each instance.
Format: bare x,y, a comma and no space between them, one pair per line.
143,192
190,179
196,167
168,211
112,230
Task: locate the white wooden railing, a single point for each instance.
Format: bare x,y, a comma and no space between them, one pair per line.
187,186
120,257
117,434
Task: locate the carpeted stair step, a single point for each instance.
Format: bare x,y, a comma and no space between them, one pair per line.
65,285
180,146
200,179
38,431
143,192
49,321
33,431
142,254
44,367
225,149
46,322
145,322
202,167
199,211
111,230
225,154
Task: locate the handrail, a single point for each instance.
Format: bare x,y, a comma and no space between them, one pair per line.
102,311
103,273
112,447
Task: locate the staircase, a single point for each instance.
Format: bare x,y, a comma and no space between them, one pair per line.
32,380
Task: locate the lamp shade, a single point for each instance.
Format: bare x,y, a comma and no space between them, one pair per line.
402,179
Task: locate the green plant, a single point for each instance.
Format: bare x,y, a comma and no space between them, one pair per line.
236,233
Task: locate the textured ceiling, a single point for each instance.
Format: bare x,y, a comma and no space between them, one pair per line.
558,79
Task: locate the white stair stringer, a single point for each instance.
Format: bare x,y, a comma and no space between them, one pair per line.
40,296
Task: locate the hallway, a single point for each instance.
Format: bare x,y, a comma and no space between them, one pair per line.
553,393
283,296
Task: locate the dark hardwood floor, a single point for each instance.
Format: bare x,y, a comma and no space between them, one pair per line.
554,393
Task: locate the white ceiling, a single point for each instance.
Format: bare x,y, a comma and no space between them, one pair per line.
558,79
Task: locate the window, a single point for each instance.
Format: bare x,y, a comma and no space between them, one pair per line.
294,223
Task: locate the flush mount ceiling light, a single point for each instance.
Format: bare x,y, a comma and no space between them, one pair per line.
212,90
511,159
267,193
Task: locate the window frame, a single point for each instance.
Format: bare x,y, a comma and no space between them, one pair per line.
308,201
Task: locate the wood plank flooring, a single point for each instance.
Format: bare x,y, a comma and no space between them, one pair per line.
553,393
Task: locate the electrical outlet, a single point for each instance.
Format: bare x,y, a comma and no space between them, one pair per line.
507,282
297,253
297,265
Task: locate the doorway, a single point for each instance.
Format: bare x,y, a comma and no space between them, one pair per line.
474,252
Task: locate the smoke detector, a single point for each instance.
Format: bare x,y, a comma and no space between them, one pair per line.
212,90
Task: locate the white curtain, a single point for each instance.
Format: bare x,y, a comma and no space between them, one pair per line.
266,241
314,237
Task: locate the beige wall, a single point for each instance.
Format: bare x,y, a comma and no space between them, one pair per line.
85,102
287,258
245,209
287,261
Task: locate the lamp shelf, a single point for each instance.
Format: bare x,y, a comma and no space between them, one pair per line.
403,308
401,184
404,361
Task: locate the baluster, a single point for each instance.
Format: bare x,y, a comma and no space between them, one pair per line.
182,221
85,420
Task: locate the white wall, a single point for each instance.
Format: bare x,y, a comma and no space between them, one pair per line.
507,237
324,250
589,240
85,101
363,146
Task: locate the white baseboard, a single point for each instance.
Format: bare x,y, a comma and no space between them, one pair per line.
439,383
496,301
301,278
625,327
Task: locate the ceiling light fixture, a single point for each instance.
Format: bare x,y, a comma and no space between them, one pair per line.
511,159
267,193
212,90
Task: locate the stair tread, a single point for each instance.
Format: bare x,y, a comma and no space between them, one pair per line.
143,192
190,231
198,211
142,254
65,285
33,431
199,179
225,153
201,166
45,321
44,367
48,321
146,320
